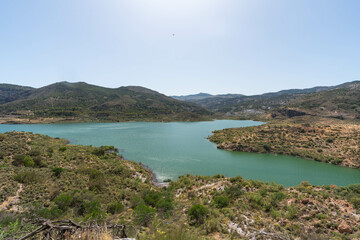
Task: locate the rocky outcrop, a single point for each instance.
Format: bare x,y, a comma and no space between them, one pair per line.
344,227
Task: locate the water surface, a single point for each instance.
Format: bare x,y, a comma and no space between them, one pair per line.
177,148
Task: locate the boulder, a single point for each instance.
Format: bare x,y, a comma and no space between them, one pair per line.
344,227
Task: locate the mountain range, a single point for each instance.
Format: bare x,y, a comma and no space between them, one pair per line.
341,101
84,102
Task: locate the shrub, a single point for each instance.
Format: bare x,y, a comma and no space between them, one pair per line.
100,151
6,218
256,200
63,201
198,213
115,207
2,137
212,226
291,212
152,198
97,184
28,177
18,160
62,149
356,202
95,211
136,201
234,191
35,152
57,171
164,205
221,201
144,214
38,160
50,213
276,197
28,162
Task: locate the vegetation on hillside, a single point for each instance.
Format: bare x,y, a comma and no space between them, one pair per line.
47,177
84,102
337,144
342,102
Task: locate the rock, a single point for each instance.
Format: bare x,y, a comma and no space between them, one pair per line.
344,227
305,201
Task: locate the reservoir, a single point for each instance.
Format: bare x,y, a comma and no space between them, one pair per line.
178,148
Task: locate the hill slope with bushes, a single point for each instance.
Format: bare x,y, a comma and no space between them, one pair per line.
50,178
84,102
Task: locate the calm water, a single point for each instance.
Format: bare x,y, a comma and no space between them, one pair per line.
173,149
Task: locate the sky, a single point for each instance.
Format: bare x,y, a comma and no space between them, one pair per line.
180,47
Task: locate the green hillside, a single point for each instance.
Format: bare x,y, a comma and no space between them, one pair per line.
9,92
43,177
85,102
342,101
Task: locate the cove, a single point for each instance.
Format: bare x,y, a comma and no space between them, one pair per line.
178,148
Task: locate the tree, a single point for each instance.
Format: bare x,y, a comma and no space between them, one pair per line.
198,213
28,162
144,214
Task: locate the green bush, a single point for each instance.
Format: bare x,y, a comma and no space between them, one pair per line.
38,160
35,152
28,162
198,213
62,149
6,218
136,201
292,212
18,160
95,212
221,201
356,202
97,184
151,198
144,214
63,201
28,177
276,197
100,151
51,213
256,200
164,205
115,207
57,171
234,191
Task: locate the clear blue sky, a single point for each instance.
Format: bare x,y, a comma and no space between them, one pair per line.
181,46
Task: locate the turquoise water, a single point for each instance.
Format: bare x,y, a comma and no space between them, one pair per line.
177,148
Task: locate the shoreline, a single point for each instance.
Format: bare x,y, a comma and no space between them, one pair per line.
154,180
19,121
331,143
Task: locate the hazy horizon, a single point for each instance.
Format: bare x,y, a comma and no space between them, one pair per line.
181,47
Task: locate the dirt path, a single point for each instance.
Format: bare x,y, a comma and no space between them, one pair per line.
11,201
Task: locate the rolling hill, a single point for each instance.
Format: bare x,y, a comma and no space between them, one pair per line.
84,102
342,101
